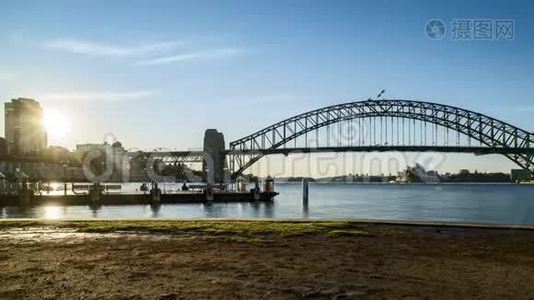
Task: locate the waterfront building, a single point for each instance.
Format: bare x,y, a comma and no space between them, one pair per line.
3,147
112,159
58,154
120,159
24,128
418,174
138,161
83,149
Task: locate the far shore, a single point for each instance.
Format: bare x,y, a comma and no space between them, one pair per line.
265,259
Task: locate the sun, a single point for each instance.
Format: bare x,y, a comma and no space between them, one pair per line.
55,123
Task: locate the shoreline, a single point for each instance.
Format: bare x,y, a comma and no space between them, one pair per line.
422,223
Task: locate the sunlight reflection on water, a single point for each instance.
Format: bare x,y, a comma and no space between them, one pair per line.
52,212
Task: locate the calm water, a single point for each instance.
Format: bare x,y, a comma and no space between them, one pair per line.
488,203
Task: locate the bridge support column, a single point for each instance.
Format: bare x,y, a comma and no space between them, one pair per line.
155,194
95,193
209,194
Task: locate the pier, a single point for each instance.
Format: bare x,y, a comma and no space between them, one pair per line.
110,194
132,199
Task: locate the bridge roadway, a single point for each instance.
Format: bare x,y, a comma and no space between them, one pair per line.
198,156
381,148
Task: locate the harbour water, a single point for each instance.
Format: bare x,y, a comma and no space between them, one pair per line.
479,203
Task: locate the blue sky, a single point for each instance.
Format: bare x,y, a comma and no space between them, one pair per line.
158,73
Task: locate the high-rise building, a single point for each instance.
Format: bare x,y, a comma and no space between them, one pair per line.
24,129
3,147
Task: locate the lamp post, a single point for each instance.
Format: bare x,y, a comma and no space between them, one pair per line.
208,181
65,177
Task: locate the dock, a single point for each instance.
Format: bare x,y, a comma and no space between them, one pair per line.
133,199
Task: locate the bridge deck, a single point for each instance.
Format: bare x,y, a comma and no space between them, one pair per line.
381,148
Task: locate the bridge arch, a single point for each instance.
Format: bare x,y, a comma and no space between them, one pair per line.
494,136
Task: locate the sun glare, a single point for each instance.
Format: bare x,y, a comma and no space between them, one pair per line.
56,124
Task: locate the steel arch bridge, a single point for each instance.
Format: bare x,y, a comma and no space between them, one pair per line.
413,126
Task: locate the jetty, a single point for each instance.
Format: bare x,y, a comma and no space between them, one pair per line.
130,199
102,194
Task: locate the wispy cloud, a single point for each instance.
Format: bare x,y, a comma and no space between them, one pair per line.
89,48
222,53
151,54
96,96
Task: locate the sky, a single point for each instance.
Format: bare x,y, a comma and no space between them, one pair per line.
158,73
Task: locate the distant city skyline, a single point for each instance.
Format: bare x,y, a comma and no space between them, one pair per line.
239,66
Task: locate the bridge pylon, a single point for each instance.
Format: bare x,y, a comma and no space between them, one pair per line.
214,162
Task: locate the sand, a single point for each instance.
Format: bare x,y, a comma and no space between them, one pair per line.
364,261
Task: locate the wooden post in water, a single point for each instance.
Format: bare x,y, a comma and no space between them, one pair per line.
305,191
209,194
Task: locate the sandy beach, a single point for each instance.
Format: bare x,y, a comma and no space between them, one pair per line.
261,260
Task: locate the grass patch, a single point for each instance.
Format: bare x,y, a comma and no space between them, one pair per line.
213,227
19,224
354,233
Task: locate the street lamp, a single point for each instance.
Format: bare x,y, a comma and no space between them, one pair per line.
65,177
